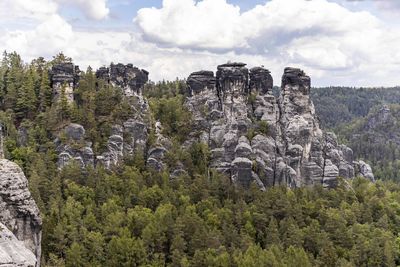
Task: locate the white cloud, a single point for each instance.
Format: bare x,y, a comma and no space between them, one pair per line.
48,38
334,45
37,9
42,9
323,37
93,9
187,23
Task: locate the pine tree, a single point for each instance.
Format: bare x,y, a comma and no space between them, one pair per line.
45,91
26,101
63,107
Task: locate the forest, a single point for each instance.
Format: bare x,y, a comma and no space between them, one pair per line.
131,215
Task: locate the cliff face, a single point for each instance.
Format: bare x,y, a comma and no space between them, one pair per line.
20,222
126,138
13,252
253,136
131,79
256,137
64,76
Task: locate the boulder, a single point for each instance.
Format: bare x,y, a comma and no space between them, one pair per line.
242,171
364,169
75,132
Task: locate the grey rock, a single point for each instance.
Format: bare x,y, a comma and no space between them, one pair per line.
157,153
260,80
199,81
155,164
64,75
331,172
74,148
232,80
242,171
379,118
22,137
131,79
296,78
75,132
13,252
18,210
243,150
293,152
364,169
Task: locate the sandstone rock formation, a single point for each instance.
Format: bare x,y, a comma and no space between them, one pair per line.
131,79
71,145
20,215
64,76
126,138
253,135
130,137
256,137
13,252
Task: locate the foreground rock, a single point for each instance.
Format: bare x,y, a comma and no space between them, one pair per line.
19,214
13,252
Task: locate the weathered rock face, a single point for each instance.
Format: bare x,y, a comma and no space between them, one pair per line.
125,140
13,252
260,80
71,145
363,169
64,76
254,136
292,150
20,215
379,119
131,79
198,81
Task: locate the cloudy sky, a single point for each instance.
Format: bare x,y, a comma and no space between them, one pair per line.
337,42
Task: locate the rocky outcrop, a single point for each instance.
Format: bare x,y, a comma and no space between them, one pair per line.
363,169
71,146
20,215
260,80
13,252
64,76
255,137
198,81
131,79
378,119
125,140
158,150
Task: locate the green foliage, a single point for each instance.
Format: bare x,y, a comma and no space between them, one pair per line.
130,216
173,115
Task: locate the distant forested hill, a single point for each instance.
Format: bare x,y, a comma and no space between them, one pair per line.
367,120
337,105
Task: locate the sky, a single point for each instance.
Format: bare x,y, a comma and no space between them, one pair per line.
336,42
